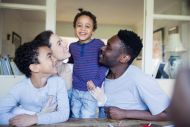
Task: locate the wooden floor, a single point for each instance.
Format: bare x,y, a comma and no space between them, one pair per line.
106,123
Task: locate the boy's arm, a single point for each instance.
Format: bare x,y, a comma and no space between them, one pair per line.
101,73
62,112
100,76
20,110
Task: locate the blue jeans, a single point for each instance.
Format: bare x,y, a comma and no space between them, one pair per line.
69,92
83,105
102,113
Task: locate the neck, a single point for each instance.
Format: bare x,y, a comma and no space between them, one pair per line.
39,81
117,71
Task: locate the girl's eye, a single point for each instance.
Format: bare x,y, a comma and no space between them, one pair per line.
79,25
49,56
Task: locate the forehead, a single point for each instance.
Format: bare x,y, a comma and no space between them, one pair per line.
53,38
114,42
44,51
84,18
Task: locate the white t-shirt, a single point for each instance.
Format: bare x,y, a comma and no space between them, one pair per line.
33,99
135,91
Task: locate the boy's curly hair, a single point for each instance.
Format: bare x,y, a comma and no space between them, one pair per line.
132,42
27,54
86,13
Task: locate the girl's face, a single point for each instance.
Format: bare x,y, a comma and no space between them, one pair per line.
84,28
59,48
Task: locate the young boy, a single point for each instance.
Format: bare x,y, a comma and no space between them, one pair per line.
85,54
39,93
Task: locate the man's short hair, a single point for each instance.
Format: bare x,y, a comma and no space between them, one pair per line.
132,42
27,54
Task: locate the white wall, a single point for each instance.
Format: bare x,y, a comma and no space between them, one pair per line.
11,22
1,28
31,28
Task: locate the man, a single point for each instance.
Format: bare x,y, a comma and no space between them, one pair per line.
130,93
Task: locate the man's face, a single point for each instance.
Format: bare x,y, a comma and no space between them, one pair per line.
110,53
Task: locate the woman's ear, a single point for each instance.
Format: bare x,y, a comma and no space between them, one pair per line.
34,67
125,58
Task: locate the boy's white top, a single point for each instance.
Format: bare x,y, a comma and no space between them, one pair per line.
25,95
135,90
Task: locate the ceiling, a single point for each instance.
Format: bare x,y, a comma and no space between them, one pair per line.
119,12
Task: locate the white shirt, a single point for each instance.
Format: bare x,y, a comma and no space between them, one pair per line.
24,94
135,91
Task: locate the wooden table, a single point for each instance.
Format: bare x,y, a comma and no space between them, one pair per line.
106,123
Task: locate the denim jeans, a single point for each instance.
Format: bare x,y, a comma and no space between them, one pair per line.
102,113
83,105
69,92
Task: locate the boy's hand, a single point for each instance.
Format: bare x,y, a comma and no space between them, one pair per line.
91,85
23,120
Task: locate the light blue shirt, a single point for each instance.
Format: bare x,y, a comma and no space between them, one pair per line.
34,99
135,91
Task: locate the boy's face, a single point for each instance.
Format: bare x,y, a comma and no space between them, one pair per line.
47,63
59,48
84,28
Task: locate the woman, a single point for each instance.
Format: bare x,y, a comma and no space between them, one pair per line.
60,52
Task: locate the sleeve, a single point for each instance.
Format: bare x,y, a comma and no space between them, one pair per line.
62,112
71,60
6,106
101,74
153,96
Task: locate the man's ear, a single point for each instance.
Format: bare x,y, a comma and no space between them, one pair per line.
34,67
125,58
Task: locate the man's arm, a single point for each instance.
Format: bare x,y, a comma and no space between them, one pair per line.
117,113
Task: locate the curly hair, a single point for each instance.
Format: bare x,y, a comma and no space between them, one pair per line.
27,54
44,37
85,13
132,42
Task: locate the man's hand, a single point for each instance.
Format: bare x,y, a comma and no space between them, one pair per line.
23,120
115,113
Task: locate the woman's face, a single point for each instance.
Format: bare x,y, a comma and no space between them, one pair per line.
59,48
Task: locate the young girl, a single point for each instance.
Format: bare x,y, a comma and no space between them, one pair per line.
85,55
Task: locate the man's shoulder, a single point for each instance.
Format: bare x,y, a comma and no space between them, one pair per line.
137,74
